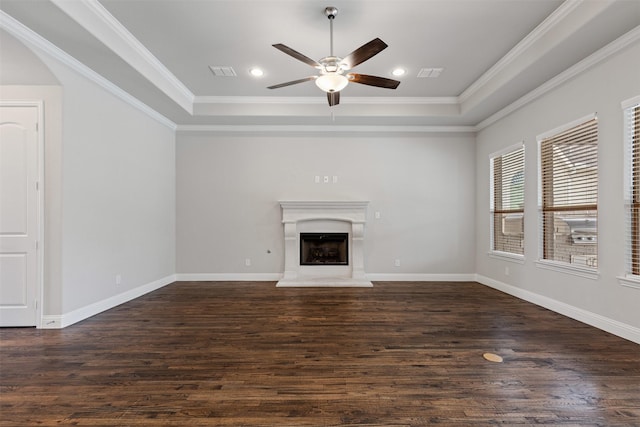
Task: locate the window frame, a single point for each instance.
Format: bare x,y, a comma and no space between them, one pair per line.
631,113
494,253
551,264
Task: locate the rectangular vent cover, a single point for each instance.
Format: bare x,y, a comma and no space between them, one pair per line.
430,72
221,71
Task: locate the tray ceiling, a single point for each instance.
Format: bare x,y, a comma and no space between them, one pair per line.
494,55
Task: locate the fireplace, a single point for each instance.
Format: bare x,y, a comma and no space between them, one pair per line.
324,249
324,243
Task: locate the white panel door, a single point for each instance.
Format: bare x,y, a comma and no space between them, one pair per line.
18,215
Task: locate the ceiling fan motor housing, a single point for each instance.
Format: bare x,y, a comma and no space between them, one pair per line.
331,64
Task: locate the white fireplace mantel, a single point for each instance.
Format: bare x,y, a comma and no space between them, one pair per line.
324,216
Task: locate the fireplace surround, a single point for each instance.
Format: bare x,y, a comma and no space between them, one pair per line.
324,218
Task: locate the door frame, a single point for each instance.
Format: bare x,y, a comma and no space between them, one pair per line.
39,105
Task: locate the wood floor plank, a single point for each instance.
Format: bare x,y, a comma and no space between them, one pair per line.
248,353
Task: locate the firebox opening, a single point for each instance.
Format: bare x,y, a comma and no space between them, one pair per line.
324,249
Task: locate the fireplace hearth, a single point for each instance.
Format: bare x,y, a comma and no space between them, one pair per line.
324,249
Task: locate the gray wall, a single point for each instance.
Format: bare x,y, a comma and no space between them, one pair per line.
20,66
118,194
599,90
109,185
228,190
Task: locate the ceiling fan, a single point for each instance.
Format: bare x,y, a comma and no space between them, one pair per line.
332,68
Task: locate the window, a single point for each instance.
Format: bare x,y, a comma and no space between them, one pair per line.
507,201
632,186
569,194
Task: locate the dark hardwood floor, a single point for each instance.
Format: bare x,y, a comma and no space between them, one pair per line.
401,353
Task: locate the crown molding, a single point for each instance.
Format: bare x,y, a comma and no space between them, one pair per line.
97,20
521,48
297,100
262,129
612,48
29,37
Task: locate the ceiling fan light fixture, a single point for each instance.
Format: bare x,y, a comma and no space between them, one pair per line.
332,82
331,79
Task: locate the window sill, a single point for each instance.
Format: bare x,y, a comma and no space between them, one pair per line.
507,256
630,281
588,273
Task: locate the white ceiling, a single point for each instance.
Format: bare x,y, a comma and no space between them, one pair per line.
493,52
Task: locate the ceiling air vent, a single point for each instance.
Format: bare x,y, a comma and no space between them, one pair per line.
220,71
430,72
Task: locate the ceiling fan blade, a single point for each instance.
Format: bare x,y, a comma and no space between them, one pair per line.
293,82
373,80
363,53
333,98
297,55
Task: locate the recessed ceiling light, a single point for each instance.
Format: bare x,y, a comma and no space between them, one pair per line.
256,72
398,72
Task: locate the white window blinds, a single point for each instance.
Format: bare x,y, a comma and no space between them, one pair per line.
632,187
507,201
569,195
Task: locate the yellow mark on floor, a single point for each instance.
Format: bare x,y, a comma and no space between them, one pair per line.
492,357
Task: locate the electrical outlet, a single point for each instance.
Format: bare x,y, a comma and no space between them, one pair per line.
118,280
397,263
377,215
506,271
247,262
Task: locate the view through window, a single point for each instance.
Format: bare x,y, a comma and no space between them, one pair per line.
507,201
632,136
569,195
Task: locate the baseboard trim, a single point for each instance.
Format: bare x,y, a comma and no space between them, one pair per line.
274,277
411,277
612,326
75,316
228,277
